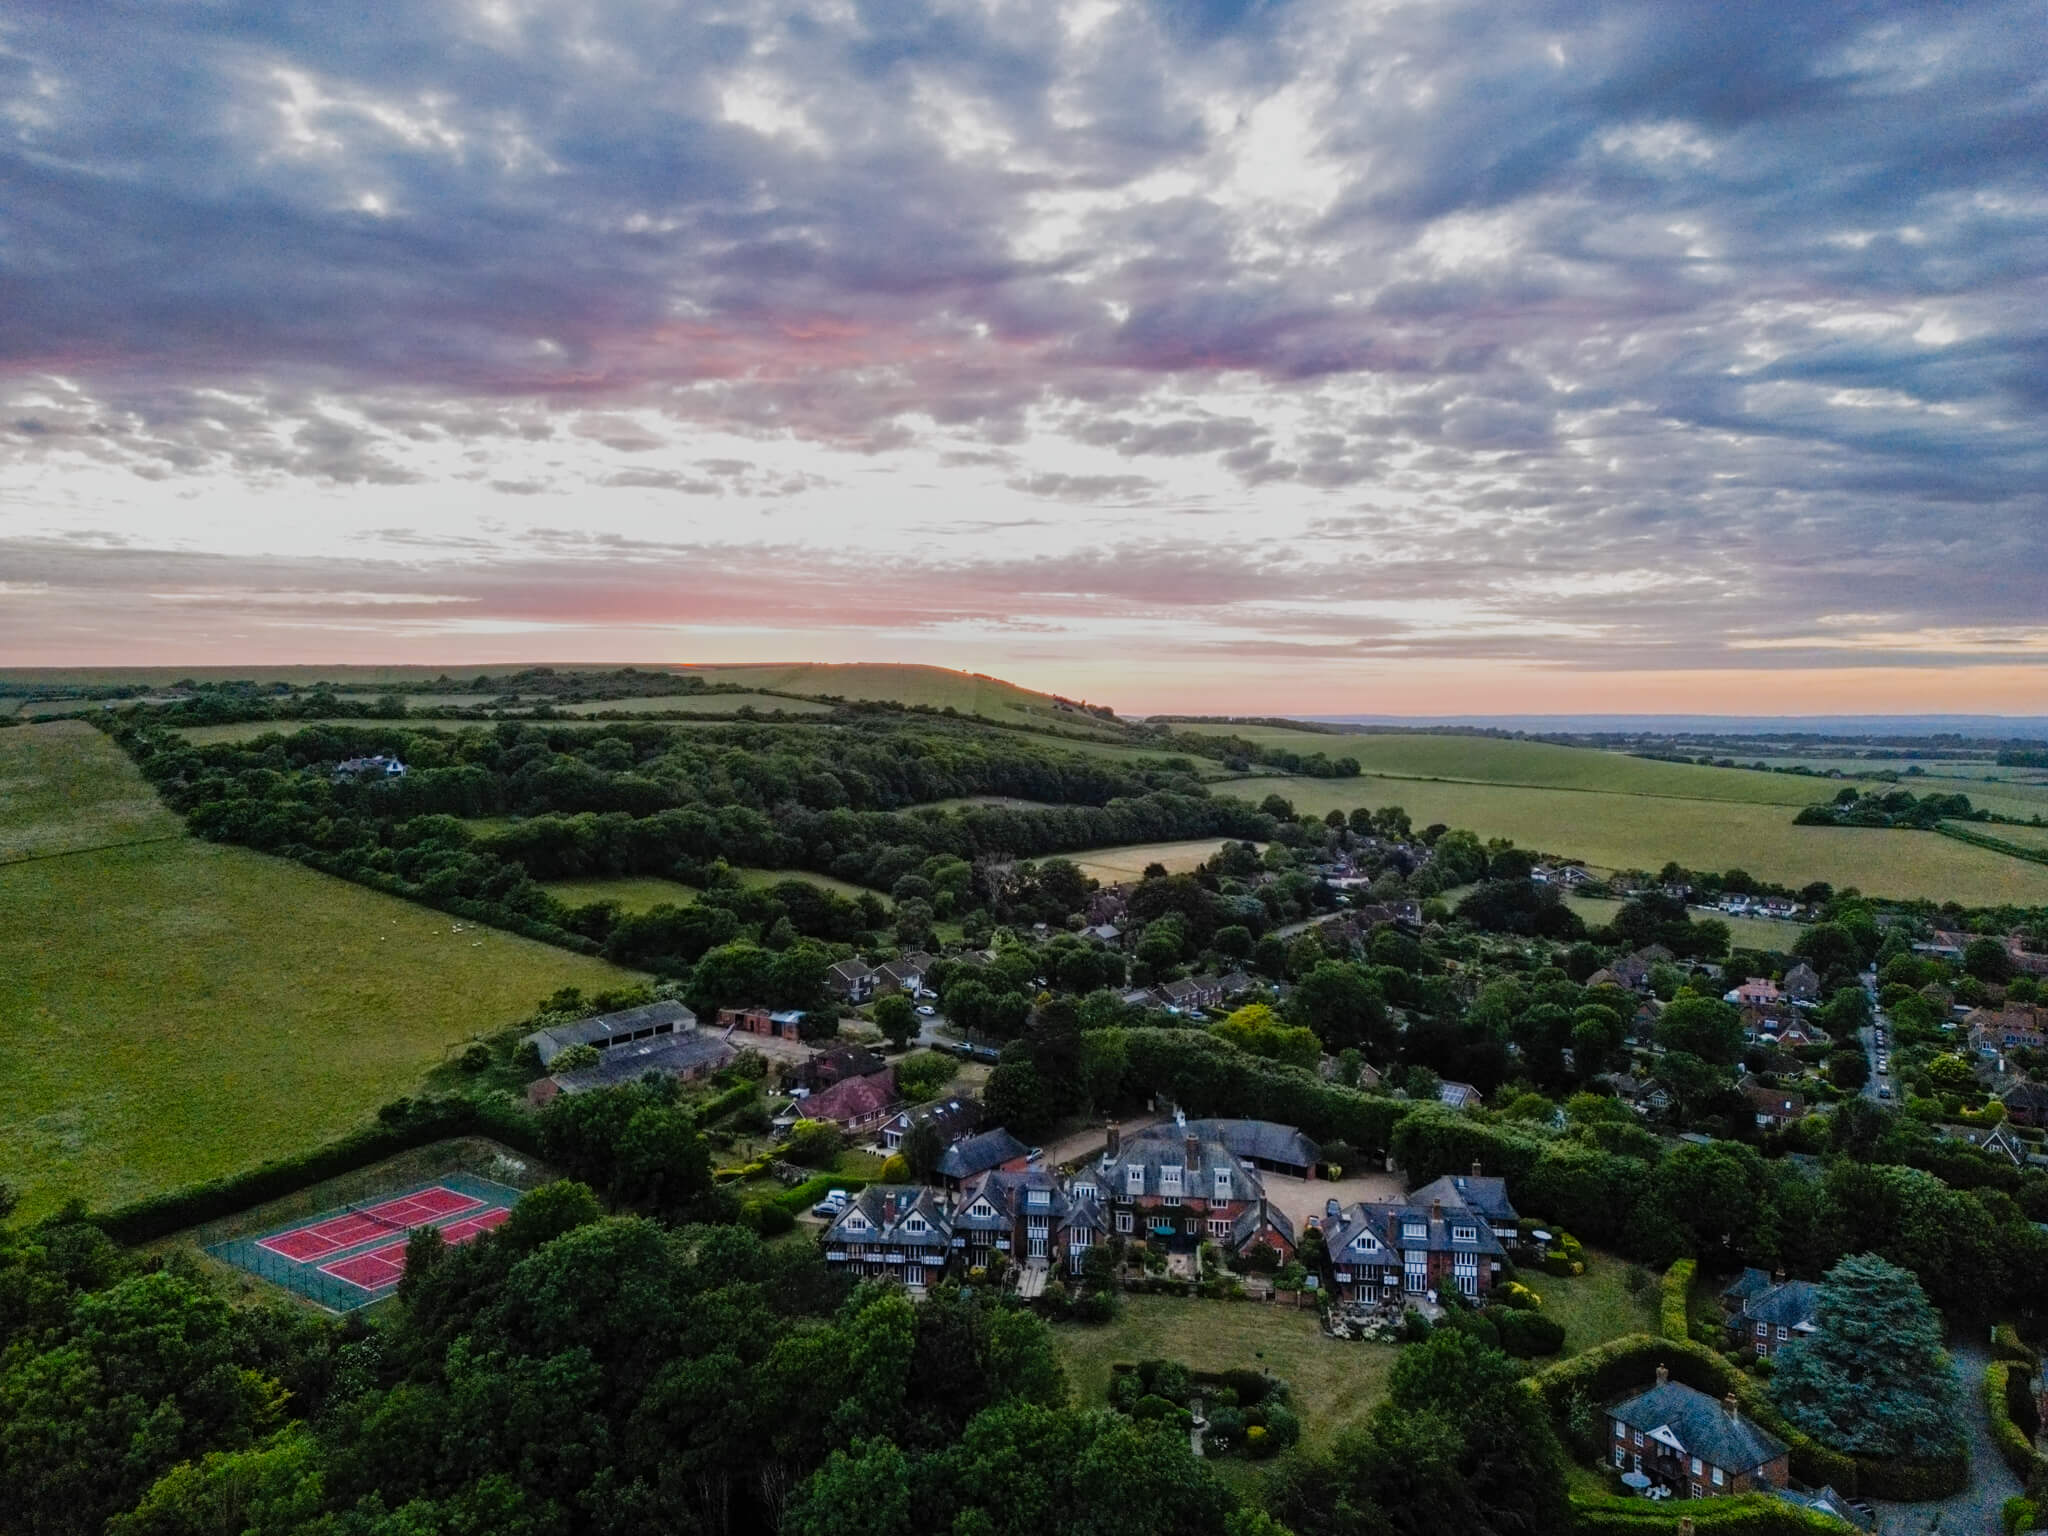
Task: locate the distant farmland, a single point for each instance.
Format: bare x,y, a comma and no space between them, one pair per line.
171,1010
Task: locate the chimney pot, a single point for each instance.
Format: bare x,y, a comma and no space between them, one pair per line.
1194,1151
1475,1169
1663,1375
1728,1402
1116,1136
1777,1277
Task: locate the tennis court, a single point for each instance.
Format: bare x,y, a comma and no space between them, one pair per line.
351,1257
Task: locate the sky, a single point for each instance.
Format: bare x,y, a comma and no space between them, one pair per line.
1280,356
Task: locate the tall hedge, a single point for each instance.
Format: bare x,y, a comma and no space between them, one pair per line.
2015,1447
1625,1365
1207,1076
1743,1514
1674,1304
142,1221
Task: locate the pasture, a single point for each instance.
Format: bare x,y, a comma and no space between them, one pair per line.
640,893
1635,831
174,1010
1110,865
64,787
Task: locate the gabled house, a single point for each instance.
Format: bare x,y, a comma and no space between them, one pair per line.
1757,992
972,1156
836,1065
2017,1024
1764,1317
1474,1191
1192,993
1236,984
903,975
898,1230
1459,1095
954,1119
1698,1448
1176,1188
851,981
1430,1241
1802,983
1026,1216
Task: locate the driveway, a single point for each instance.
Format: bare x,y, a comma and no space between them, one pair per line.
1974,1511
1085,1145
1300,1199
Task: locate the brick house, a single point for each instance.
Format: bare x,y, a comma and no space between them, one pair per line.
851,981
1177,1189
2016,1025
1693,1445
954,1118
1767,1312
1024,1214
853,1103
1448,1235
836,1065
899,1230
1757,992
782,1025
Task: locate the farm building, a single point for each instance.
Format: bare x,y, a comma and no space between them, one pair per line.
605,1030
684,1056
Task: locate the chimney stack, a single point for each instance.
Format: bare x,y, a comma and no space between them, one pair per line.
1728,1402
1436,1210
1777,1277
1116,1136
1475,1168
1663,1376
1194,1152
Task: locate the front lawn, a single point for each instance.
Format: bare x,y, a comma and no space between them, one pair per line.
1598,1305
1335,1384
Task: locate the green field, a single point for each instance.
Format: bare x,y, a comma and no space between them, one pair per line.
64,786
1539,765
638,893
173,1010
699,704
249,730
1110,865
1634,831
935,687
1336,1383
2024,837
1768,933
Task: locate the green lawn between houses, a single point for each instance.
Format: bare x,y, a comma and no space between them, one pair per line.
1336,1383
172,1010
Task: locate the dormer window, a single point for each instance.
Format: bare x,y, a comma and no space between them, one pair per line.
1084,1191
1134,1179
982,1209
1222,1185
916,1224
855,1222
1169,1178
1038,1199
1415,1229
1464,1234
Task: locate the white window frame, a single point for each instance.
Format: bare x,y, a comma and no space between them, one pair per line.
1464,1234
1717,1476
1123,1221
1134,1179
1221,1188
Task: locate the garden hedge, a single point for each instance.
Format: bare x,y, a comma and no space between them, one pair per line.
814,1189
1743,1514
2015,1447
2006,1344
1674,1306
427,1121
1629,1364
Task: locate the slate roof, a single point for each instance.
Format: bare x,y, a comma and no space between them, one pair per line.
2026,1096
837,1065
954,1117
1751,1282
672,1054
1702,1425
1260,1140
883,1210
1439,1211
1253,1218
601,1030
978,1154
1475,1191
1789,1304
1165,1146
1011,1193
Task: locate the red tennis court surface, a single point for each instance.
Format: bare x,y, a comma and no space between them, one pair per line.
305,1244
380,1268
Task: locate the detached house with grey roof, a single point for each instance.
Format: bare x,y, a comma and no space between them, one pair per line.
1767,1312
1698,1448
972,1156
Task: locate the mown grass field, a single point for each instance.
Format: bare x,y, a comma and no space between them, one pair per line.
1598,1305
1336,1384
2024,837
639,893
1110,865
249,730
1630,831
64,786
172,1010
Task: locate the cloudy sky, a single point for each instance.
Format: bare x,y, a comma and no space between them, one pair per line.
1290,355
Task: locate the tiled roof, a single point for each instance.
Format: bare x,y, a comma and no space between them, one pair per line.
977,1154
1702,1426
1751,1282
1789,1304
1478,1191
851,1098
884,1209
670,1054
1260,1139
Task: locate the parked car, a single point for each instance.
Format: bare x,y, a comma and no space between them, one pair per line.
927,1009
833,1203
1884,1091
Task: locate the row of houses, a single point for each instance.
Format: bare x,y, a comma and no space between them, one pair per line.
1450,1235
1173,1186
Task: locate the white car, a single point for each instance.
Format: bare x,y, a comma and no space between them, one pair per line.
927,1010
